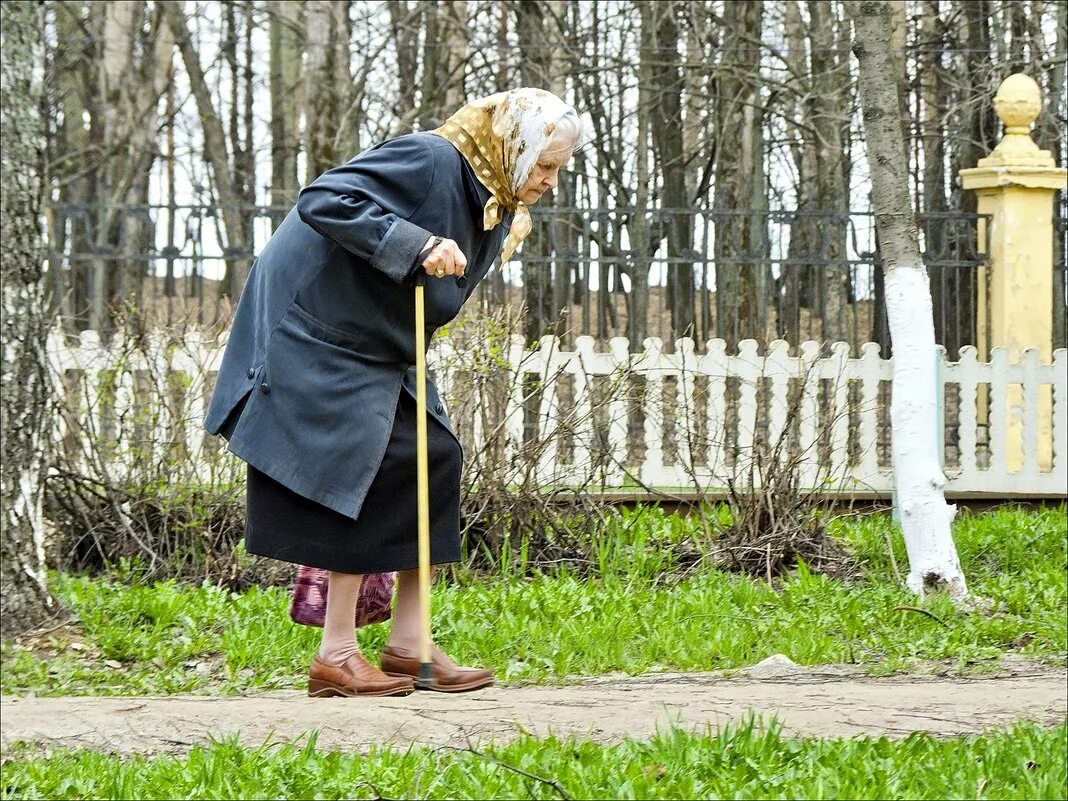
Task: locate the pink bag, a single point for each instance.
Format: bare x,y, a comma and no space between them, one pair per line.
309,597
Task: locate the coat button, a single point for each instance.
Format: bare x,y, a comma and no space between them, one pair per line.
439,409
251,373
264,388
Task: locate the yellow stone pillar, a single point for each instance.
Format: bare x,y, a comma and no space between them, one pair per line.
1015,185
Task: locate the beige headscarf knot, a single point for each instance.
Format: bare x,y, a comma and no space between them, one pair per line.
501,137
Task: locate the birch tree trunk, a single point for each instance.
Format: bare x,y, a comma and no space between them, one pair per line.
918,476
25,389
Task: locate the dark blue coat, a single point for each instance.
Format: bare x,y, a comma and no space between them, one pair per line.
323,339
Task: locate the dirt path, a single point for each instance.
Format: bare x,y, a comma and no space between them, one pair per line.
832,701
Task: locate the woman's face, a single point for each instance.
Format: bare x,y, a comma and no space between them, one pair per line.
545,174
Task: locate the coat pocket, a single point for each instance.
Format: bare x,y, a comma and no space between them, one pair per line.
356,341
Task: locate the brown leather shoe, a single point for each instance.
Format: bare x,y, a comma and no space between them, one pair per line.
448,676
356,676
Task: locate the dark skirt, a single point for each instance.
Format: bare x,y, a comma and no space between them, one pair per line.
384,537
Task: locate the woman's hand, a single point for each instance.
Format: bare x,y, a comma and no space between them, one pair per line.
445,259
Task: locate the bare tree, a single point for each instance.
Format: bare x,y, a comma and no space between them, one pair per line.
404,23
287,45
668,145
457,39
828,108
932,90
741,276
214,152
692,104
25,389
330,134
918,476
796,275
537,29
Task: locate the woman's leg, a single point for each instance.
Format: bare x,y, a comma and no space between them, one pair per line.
339,639
404,631
400,656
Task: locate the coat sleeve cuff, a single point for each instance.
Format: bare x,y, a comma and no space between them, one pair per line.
396,253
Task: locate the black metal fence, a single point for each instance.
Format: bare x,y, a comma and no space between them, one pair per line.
601,271
1060,273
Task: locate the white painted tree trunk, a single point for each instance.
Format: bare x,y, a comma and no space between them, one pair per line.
918,476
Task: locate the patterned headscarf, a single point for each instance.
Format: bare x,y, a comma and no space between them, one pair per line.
501,137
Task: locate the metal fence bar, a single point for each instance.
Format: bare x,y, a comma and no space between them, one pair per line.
173,259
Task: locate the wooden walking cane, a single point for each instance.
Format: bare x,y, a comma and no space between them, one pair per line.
426,668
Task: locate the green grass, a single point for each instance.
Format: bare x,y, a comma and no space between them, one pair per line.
743,761
627,616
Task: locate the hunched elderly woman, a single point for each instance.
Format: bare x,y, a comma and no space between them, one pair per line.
316,391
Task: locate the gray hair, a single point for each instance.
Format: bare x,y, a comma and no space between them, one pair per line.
569,133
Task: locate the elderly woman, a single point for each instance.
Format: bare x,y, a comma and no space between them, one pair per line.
316,391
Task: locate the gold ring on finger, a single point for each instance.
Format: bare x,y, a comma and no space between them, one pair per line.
440,273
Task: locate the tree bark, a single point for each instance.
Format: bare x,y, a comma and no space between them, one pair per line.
827,110
26,385
404,25
974,134
457,38
918,476
431,81
535,29
327,87
73,65
944,299
287,46
795,275
740,272
666,111
638,228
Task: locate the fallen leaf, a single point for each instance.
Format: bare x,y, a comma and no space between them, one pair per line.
1023,640
655,770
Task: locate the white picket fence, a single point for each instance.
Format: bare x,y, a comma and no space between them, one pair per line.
619,421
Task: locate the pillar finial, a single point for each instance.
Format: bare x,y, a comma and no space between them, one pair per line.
1018,102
